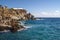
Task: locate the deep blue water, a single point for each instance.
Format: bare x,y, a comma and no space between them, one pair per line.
46,29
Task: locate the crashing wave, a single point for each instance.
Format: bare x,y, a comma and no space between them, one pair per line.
39,19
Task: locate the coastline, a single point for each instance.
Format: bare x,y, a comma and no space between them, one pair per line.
9,30
9,18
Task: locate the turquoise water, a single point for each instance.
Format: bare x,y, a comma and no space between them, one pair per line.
47,29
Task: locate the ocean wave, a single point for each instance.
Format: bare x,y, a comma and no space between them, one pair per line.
25,28
40,19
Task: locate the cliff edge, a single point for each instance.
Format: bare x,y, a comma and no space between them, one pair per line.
9,18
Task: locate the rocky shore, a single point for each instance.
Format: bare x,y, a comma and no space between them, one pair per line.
9,18
13,27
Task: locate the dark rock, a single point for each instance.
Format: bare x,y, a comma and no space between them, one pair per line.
2,28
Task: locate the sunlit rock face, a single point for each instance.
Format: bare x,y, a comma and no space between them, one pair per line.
24,14
9,17
14,13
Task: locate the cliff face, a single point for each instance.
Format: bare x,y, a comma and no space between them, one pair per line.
22,14
14,13
9,17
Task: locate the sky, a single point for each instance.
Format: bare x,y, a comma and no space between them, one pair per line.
38,8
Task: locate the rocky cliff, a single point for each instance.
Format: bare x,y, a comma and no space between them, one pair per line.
9,18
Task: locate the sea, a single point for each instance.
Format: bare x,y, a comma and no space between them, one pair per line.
40,29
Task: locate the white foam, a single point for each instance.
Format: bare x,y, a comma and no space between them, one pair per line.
5,31
21,29
39,19
25,28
